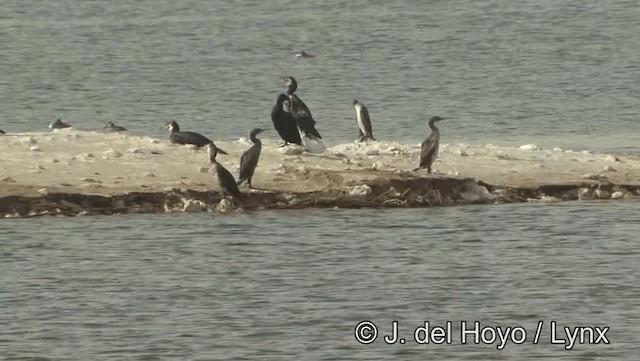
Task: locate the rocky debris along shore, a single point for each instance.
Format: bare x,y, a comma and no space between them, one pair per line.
389,190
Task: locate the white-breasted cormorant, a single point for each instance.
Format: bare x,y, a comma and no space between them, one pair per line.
182,137
111,127
249,159
430,146
284,123
364,122
226,182
299,110
58,124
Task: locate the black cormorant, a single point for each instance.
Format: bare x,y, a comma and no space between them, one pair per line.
111,127
299,110
364,122
249,159
284,123
58,124
182,137
304,55
226,182
429,150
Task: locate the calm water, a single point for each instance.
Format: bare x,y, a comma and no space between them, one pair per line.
507,72
284,285
271,286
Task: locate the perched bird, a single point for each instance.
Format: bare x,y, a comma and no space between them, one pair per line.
182,137
304,55
2,131
284,123
111,127
364,122
226,182
429,150
299,110
58,124
249,159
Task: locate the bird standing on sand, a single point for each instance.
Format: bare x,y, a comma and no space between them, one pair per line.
364,122
299,110
249,159
430,146
182,137
226,182
304,55
59,124
284,123
111,127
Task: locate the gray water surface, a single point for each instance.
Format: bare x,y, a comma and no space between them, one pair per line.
505,72
293,285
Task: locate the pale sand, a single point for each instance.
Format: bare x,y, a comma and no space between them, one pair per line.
67,160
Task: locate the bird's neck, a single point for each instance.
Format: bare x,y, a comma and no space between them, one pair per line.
433,127
292,88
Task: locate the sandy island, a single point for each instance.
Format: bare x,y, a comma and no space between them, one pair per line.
72,172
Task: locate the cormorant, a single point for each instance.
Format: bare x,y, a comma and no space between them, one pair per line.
111,127
364,122
299,110
58,124
249,159
429,150
226,182
181,137
303,54
284,123
2,131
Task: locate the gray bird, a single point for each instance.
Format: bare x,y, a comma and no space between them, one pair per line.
184,137
111,127
430,146
58,124
364,122
249,160
226,182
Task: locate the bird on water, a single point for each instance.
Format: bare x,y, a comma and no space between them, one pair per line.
430,146
284,123
183,137
364,122
226,182
59,124
304,55
111,127
299,110
249,159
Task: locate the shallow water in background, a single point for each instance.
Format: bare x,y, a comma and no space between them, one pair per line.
285,285
505,72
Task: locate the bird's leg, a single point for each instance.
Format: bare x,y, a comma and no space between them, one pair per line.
285,144
249,182
429,169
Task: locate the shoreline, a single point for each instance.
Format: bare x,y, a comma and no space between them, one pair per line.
70,172
385,191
